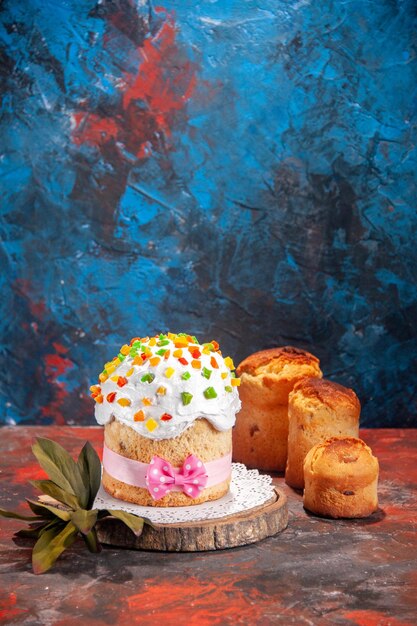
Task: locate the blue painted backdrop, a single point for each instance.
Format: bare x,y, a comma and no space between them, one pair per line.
240,170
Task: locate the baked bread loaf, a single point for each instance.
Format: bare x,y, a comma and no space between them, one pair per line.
341,478
267,377
168,404
200,439
317,410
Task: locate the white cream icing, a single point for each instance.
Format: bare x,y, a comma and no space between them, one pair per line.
220,411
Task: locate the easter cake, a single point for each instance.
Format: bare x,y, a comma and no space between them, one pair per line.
168,405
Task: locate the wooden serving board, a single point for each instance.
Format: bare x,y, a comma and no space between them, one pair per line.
215,534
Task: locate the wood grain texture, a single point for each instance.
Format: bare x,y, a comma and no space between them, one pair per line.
317,571
228,532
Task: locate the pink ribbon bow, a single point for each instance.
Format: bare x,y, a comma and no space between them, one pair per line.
161,477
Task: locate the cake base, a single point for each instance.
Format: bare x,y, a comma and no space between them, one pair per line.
252,510
229,531
129,493
200,439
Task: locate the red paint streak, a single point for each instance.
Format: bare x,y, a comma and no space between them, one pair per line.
163,87
59,347
37,309
8,608
90,128
56,365
21,475
213,603
150,99
373,618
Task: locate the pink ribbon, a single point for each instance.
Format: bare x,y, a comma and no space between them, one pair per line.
161,477
183,479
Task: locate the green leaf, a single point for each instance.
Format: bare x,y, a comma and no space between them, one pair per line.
50,545
38,510
51,489
134,522
53,523
13,515
90,469
61,468
33,532
84,520
92,541
47,508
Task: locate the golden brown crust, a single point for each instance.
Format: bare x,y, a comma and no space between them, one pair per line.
339,458
326,392
201,439
275,360
267,378
341,476
317,409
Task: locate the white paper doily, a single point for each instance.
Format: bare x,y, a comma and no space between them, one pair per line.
248,489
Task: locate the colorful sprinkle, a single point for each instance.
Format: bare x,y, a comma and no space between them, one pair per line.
186,397
183,361
166,417
167,354
228,389
163,342
169,372
99,398
102,377
121,357
186,376
152,341
130,372
111,396
161,352
195,352
146,401
210,393
110,367
121,381
161,391
137,360
147,378
124,402
206,372
235,382
224,375
196,364
229,363
214,363
151,424
125,350
154,361
139,416
177,353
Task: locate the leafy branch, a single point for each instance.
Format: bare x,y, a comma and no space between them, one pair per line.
64,511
